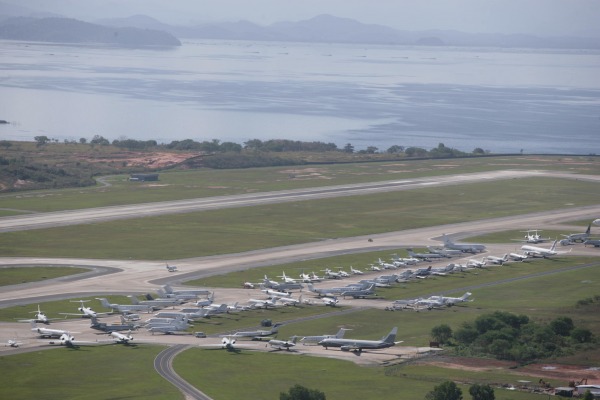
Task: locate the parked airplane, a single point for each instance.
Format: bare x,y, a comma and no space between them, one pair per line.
257,303
407,261
360,293
85,312
336,291
444,252
180,297
496,260
464,247
168,328
442,271
330,301
533,236
329,274
593,242
155,303
579,237
317,338
172,268
517,256
475,263
283,344
13,343
385,265
288,301
356,271
596,222
40,317
255,335
120,338
357,345
104,327
274,293
48,333
424,256
124,308
287,279
450,301
374,268
542,251
197,292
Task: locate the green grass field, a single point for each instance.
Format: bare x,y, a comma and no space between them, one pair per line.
249,228
24,274
126,372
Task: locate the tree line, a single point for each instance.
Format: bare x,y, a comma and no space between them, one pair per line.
272,145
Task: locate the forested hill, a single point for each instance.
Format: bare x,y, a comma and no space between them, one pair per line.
67,30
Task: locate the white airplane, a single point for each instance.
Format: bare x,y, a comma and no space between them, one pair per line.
517,256
442,271
533,236
13,343
360,293
316,339
355,271
167,329
267,303
47,332
496,260
124,308
274,293
385,265
288,301
357,345
534,251
155,303
40,317
445,252
197,292
464,247
86,312
283,344
343,273
331,274
121,338
172,268
579,237
287,278
374,268
229,343
330,301
248,285
407,261
475,263
254,335
450,301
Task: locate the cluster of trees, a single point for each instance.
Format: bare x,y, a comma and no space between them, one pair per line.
448,390
513,337
298,392
273,145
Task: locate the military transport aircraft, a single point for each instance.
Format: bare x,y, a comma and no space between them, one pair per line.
464,247
357,345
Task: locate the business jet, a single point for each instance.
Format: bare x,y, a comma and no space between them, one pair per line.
464,247
124,308
330,301
288,301
13,343
533,237
518,257
274,293
496,260
267,303
286,279
40,317
450,301
283,344
47,332
254,335
385,265
472,263
85,312
172,268
534,251
329,274
357,345
121,338
355,271
198,292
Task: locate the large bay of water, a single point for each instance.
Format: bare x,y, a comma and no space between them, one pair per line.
502,100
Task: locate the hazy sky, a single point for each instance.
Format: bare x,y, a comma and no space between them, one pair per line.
541,17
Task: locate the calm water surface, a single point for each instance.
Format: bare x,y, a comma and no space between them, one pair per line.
500,100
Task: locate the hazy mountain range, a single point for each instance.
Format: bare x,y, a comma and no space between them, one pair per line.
144,30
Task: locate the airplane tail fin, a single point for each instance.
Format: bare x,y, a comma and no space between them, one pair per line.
104,302
311,287
589,229
465,296
391,337
168,289
134,300
340,333
446,239
554,245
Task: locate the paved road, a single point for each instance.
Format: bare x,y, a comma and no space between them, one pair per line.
163,364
